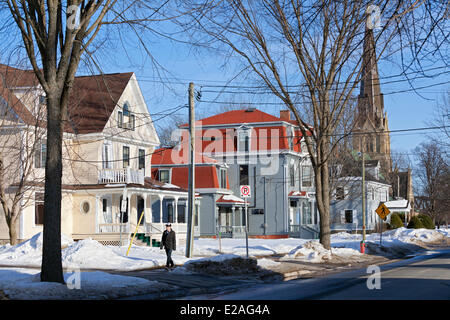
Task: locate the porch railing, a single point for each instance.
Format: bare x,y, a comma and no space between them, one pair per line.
114,228
126,175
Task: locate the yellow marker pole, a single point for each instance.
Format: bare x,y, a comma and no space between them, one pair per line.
134,235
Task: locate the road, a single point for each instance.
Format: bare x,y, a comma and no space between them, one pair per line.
423,277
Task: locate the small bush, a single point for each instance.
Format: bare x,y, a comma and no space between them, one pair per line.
396,221
402,217
415,223
427,222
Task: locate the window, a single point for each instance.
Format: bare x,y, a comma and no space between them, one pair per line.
106,156
223,178
42,99
378,144
140,211
306,176
132,122
292,175
40,155
243,175
120,119
181,218
258,211
126,156
170,212
291,138
244,140
127,120
164,176
141,159
124,215
348,216
38,208
340,193
306,207
85,207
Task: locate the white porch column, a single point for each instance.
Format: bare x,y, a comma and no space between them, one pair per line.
148,216
175,211
161,198
97,210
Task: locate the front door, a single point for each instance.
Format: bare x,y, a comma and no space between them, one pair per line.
140,213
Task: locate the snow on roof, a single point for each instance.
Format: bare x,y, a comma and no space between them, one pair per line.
169,185
230,198
397,204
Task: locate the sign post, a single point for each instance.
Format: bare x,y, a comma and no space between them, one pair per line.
246,193
382,212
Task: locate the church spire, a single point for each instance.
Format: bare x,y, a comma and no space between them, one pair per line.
370,98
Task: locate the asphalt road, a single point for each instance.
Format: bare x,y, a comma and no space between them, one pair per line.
423,277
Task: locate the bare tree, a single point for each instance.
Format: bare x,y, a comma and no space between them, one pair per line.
304,49
433,173
56,35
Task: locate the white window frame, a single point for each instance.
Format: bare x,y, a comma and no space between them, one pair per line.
170,175
242,133
42,154
223,178
107,155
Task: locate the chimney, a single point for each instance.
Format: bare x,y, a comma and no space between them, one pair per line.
285,115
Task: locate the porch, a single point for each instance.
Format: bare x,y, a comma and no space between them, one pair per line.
144,210
230,215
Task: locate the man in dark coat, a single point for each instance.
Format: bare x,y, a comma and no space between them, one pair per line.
169,242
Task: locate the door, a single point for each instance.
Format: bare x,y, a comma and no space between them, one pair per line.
107,213
140,213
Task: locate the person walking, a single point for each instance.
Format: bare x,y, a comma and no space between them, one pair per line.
168,242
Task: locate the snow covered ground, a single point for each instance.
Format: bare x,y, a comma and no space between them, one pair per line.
20,283
90,254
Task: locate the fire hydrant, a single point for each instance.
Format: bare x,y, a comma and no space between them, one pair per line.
362,246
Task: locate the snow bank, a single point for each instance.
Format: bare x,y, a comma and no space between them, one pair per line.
86,254
267,263
313,251
25,284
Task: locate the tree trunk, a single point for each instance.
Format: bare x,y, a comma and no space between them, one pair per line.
323,204
13,232
51,270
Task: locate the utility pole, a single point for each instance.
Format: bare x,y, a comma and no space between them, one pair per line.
191,187
363,204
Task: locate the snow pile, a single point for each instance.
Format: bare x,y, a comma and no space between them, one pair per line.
313,251
267,263
444,231
25,284
410,235
28,253
86,254
257,247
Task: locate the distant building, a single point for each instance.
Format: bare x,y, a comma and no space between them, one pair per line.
371,132
268,154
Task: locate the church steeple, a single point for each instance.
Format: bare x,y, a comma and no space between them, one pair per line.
370,100
371,119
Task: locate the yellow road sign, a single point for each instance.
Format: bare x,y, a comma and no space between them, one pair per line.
382,211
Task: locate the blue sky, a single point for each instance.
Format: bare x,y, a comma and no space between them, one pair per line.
405,110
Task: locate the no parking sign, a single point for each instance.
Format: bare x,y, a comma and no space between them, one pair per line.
245,191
